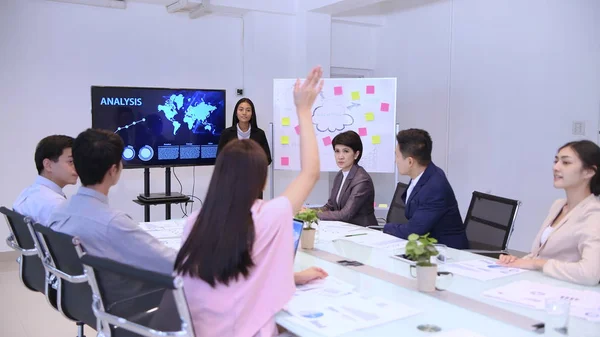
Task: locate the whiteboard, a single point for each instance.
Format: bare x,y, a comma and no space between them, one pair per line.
364,105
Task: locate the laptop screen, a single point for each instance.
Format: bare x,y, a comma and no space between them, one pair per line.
298,224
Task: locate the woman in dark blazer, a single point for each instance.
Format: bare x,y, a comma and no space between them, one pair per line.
244,126
353,194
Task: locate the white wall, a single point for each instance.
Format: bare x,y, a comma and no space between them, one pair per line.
52,53
522,71
515,74
353,45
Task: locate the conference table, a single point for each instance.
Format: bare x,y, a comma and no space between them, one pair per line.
459,310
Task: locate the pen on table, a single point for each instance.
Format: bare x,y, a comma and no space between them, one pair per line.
349,235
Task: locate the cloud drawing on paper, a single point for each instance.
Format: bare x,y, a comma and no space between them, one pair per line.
331,117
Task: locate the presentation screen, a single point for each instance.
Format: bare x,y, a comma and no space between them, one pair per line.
162,127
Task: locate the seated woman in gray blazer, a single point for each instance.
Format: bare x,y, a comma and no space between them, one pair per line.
353,195
567,246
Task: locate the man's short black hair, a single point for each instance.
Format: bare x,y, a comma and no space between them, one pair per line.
350,139
51,147
415,143
94,153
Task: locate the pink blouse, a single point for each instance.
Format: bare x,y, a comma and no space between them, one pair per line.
247,306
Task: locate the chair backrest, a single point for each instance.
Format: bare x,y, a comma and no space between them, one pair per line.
74,296
161,309
396,213
489,222
31,270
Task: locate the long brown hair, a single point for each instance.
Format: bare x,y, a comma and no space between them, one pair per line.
219,246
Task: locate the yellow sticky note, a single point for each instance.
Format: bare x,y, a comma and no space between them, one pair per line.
369,116
285,121
375,139
355,95
285,140
383,206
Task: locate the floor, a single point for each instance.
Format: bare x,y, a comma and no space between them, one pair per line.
24,313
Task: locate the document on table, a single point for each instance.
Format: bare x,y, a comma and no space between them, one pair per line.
378,240
483,269
333,230
584,303
333,308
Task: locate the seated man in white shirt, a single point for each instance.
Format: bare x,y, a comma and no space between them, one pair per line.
54,164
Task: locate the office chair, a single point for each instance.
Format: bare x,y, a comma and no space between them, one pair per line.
396,213
169,316
31,270
74,296
489,223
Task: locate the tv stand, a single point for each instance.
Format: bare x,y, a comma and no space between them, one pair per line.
168,198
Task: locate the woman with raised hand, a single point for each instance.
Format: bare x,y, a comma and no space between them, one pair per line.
238,254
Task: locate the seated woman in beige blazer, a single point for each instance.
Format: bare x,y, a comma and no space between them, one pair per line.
353,194
567,246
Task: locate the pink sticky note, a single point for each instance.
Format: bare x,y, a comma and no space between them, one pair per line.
297,128
385,107
370,89
285,161
362,131
338,91
327,141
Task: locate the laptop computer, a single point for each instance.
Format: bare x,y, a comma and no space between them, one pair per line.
298,224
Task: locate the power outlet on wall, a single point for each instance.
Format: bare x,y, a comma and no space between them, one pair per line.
579,128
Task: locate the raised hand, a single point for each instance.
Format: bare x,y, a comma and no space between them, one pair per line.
305,93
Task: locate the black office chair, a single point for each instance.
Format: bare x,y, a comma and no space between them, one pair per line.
489,223
169,316
396,213
74,296
31,270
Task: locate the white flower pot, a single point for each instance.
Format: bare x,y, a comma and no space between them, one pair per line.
426,277
307,239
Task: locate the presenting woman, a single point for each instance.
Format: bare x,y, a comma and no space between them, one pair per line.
353,195
244,126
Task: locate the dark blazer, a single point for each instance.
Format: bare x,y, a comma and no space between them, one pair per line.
432,208
256,134
357,199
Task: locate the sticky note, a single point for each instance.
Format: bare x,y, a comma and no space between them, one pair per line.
337,91
285,140
383,206
369,116
370,89
362,132
285,121
355,95
385,107
327,141
376,139
285,161
297,128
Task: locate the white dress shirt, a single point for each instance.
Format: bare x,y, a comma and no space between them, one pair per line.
344,174
39,200
412,185
243,134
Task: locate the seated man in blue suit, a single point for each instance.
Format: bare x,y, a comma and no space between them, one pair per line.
431,206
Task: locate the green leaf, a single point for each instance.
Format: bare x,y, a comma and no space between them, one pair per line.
413,237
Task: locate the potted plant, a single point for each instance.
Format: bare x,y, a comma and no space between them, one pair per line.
421,249
311,222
